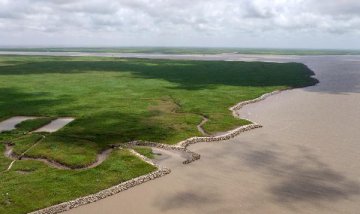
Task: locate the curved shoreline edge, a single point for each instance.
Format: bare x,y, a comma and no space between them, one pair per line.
161,171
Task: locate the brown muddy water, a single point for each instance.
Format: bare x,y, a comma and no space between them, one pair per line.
306,158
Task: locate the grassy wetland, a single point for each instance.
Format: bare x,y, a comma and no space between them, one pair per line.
115,101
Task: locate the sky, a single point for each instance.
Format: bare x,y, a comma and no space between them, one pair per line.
314,24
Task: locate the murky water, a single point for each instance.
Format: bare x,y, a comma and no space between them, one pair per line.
306,158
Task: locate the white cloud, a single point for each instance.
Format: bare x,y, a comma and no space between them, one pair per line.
177,18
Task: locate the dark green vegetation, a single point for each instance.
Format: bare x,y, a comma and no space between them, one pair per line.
115,101
187,50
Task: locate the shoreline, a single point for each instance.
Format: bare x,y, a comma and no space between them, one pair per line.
181,146
65,206
302,160
161,171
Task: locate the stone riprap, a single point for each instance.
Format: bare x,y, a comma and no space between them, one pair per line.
182,146
235,109
161,171
192,156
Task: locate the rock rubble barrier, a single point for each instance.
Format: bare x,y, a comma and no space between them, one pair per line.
161,171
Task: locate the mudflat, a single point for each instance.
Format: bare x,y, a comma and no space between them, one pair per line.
306,158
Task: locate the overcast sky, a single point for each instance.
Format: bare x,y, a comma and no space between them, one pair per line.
211,23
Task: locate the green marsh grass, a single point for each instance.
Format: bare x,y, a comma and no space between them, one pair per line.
116,100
